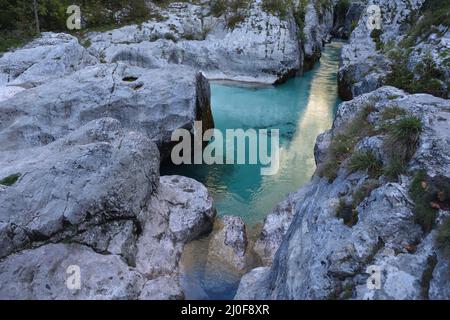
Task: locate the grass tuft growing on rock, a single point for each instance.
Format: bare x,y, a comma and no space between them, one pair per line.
365,160
10,180
343,144
401,144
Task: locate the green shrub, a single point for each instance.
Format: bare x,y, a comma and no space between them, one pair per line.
343,144
234,20
422,195
218,7
432,14
401,144
394,169
299,12
10,180
426,78
365,160
376,37
277,7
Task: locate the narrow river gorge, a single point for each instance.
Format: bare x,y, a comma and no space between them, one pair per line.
301,109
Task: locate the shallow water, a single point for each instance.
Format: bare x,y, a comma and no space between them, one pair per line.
301,109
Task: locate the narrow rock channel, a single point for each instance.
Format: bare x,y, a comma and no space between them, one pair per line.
301,109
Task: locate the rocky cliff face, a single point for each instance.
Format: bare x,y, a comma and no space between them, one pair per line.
379,199
408,49
79,180
359,218
84,126
252,44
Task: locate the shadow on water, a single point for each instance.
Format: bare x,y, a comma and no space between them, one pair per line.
301,109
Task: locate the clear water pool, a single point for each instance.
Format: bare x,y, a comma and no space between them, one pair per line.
301,109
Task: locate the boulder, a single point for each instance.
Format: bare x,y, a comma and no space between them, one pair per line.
275,227
51,56
153,102
49,272
181,211
95,175
229,243
250,281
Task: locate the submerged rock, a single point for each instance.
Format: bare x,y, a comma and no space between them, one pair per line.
229,243
249,282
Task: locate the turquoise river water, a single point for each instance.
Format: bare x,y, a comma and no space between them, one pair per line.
301,109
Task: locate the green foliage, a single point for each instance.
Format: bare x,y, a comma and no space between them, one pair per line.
342,7
17,21
343,144
426,76
366,160
218,7
394,169
407,130
299,17
10,180
376,37
234,11
401,144
432,14
277,7
429,195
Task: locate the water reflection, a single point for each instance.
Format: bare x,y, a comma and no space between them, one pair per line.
301,109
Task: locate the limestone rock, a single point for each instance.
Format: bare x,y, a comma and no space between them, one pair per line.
44,273
180,211
153,102
162,288
50,56
74,183
250,281
275,227
320,257
229,243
